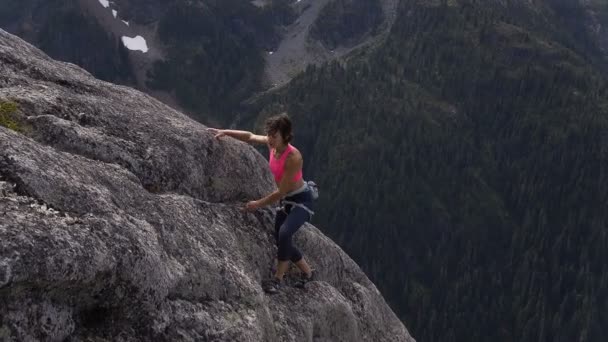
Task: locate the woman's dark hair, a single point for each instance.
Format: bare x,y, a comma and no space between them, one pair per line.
280,123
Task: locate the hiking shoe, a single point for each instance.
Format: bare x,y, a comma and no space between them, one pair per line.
272,286
301,283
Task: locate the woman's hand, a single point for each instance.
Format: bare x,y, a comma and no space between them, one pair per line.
252,205
218,132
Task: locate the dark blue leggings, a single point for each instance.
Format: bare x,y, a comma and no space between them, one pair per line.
285,225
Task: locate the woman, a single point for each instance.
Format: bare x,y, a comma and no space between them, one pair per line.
286,166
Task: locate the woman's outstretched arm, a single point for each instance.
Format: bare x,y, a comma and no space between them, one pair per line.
245,136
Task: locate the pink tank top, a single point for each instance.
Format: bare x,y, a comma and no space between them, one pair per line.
277,166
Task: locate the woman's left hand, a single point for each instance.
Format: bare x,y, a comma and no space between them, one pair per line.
252,205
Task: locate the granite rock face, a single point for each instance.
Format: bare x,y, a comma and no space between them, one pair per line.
121,220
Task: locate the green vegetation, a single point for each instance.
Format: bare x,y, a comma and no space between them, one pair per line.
344,22
216,52
462,168
462,163
60,40
7,119
12,10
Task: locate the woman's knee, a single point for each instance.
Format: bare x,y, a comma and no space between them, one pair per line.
284,251
296,256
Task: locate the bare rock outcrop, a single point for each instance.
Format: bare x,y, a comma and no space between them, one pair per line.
121,220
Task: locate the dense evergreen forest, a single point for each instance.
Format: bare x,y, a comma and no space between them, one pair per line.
216,52
214,48
69,35
344,22
64,32
462,164
461,161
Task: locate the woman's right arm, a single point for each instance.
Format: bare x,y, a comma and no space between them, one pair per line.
245,136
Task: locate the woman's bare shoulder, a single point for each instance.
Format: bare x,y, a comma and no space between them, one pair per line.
294,153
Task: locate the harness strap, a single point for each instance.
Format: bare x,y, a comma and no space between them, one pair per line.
295,204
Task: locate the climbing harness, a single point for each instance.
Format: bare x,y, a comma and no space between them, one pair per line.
309,185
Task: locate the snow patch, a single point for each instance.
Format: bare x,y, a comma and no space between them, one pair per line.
105,3
137,43
114,13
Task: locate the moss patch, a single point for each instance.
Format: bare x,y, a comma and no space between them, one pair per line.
7,116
